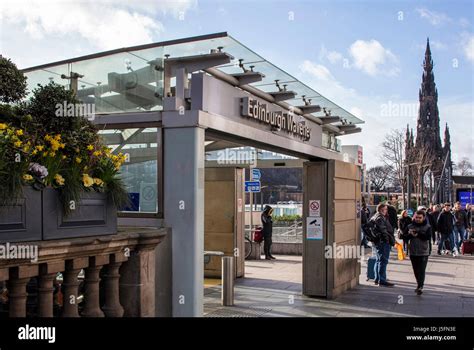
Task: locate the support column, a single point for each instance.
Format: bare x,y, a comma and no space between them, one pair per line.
91,294
112,307
19,277
184,214
47,274
71,284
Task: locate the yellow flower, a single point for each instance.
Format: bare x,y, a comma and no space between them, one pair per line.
45,154
62,145
78,160
97,153
18,144
34,152
59,179
40,148
19,132
3,126
27,177
48,138
98,181
87,180
90,148
54,145
52,154
57,137
63,157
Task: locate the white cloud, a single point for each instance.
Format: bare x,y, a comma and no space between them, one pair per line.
334,57
468,46
372,58
464,22
317,71
106,24
435,18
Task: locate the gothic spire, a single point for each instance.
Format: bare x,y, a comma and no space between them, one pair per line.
447,138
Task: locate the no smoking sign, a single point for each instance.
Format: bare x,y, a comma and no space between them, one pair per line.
314,208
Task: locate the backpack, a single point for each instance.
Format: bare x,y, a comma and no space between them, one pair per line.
370,231
258,235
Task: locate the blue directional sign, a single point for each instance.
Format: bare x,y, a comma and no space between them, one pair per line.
252,186
255,174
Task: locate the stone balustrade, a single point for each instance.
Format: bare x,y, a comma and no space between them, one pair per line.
118,270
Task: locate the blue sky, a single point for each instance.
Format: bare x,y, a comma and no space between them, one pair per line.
361,54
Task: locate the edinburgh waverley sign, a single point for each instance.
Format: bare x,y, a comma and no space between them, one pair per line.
281,119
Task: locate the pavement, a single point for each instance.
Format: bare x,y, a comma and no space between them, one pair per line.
274,289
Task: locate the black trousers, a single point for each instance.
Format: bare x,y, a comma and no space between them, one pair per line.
419,268
267,245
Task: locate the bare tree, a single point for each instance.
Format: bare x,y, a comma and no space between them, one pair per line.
463,167
378,177
393,157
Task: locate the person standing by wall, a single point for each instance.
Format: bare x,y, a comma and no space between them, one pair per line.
267,224
469,217
364,217
385,242
418,236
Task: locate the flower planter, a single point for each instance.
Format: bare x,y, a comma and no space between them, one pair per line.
39,216
94,215
21,221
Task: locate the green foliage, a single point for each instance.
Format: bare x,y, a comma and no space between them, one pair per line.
287,218
12,81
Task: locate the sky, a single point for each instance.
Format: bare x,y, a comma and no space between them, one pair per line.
365,56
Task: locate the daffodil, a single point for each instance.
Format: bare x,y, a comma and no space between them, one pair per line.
19,132
90,148
78,160
59,179
17,144
98,181
40,148
87,180
27,177
97,153
3,126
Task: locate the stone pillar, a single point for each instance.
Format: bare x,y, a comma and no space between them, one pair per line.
71,284
19,277
47,274
137,285
91,294
184,213
112,307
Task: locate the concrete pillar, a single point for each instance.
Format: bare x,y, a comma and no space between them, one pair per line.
184,214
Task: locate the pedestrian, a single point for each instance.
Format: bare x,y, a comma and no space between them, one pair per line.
403,223
392,216
445,225
267,224
460,225
433,218
418,236
383,245
469,217
364,217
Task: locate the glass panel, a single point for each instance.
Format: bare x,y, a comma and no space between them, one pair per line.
44,76
140,172
124,82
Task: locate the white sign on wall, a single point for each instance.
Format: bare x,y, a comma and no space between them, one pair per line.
314,227
314,207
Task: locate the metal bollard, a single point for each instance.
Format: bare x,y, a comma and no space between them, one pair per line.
228,273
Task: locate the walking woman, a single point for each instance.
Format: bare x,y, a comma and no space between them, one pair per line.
403,223
418,236
267,224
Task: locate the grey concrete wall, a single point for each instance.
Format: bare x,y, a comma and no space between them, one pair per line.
283,248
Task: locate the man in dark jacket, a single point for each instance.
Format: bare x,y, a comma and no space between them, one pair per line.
385,241
267,224
418,235
460,224
445,227
364,217
469,216
433,219
392,216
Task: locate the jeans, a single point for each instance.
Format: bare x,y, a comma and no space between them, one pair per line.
419,268
382,251
267,245
443,239
460,235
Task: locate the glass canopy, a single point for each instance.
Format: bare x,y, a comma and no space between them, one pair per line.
129,79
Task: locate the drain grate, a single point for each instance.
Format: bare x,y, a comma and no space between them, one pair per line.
238,311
